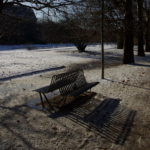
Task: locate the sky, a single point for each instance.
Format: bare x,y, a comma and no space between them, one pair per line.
40,16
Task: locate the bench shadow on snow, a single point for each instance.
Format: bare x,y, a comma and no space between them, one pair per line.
107,118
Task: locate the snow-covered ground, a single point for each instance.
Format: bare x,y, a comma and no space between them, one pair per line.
18,60
45,46
125,86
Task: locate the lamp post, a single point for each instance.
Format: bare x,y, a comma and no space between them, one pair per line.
102,42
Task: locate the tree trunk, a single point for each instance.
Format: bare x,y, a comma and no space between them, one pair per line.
120,39
128,55
120,42
147,44
140,46
146,41
140,29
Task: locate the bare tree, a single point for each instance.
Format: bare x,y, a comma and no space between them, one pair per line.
128,55
39,4
75,31
73,27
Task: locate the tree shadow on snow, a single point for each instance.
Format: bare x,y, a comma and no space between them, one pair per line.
31,73
127,84
135,64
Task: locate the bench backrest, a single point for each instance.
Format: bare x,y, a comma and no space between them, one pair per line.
68,82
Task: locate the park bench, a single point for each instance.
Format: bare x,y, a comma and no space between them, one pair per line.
72,83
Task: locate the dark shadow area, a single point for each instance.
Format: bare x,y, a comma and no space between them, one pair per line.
95,64
97,55
14,126
111,60
135,64
106,118
30,73
92,52
79,101
55,98
127,84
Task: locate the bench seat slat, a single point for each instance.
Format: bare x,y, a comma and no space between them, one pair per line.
46,89
43,89
83,89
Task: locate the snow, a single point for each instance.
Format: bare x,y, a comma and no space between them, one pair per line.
17,60
54,46
39,46
23,127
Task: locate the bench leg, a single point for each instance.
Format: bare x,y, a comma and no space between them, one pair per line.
42,100
60,102
48,102
64,98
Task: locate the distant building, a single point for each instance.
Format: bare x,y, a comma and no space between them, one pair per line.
19,11
24,31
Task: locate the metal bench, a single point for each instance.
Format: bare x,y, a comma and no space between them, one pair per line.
72,83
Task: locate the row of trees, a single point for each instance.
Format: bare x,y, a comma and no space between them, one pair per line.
77,26
80,22
125,17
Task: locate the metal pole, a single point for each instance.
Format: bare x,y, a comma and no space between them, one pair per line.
102,42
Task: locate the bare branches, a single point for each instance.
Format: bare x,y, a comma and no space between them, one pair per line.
40,4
